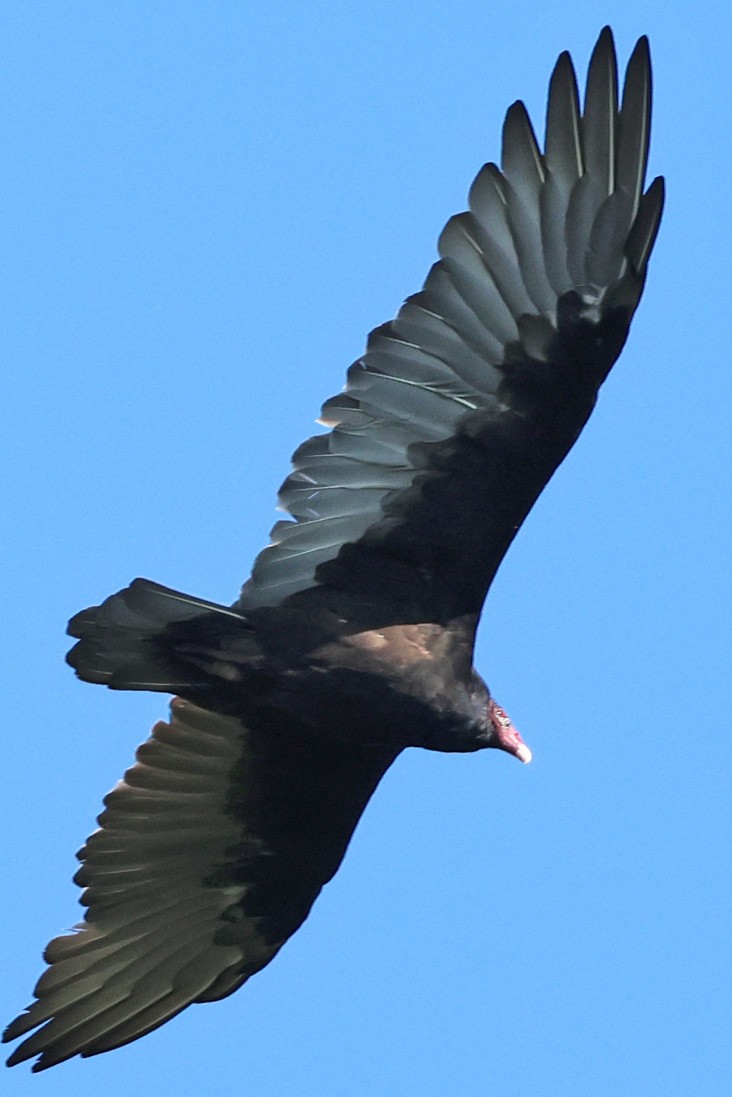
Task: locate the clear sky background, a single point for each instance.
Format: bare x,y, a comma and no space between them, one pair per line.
205,207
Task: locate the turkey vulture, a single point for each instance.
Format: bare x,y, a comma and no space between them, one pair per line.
353,638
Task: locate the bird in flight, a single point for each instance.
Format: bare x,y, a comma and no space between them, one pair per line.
353,638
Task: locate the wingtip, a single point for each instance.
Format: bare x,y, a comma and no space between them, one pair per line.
642,236
563,64
18,1056
639,66
604,49
605,38
642,47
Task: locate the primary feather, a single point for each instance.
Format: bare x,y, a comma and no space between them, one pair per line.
555,246
353,638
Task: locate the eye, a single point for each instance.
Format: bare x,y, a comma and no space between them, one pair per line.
501,716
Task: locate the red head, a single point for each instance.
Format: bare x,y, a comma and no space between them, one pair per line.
505,736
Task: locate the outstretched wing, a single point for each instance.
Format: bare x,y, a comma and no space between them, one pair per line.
463,406
210,854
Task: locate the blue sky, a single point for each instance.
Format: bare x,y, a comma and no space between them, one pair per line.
204,210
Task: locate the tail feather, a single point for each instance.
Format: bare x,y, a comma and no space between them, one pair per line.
148,637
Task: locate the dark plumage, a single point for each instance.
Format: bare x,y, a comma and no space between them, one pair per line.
353,638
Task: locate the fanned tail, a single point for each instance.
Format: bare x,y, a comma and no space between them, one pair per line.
148,637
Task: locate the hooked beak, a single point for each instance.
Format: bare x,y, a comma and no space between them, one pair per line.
522,752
